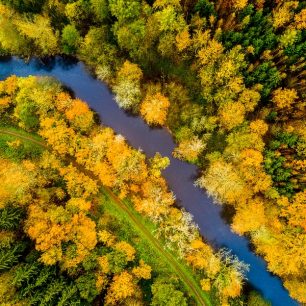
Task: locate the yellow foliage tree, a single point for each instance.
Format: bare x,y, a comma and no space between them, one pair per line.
130,71
297,289
283,13
127,249
284,98
183,40
58,135
142,271
295,211
189,149
300,20
223,182
41,32
79,114
249,217
52,227
259,127
77,183
122,287
231,114
154,109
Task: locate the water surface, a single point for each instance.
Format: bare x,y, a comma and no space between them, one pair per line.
180,175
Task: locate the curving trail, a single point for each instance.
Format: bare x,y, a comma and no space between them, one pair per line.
200,296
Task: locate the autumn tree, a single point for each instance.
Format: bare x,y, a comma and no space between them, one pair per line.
249,217
125,10
284,98
154,109
224,183
11,39
189,149
127,89
52,227
123,286
57,134
41,32
166,293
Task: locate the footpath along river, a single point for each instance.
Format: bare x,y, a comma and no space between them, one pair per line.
180,175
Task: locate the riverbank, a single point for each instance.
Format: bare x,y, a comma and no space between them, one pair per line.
140,228
179,175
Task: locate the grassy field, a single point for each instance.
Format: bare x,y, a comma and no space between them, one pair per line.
133,227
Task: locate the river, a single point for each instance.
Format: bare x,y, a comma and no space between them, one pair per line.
180,175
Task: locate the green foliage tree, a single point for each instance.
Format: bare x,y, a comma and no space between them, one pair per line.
70,39
125,10
166,293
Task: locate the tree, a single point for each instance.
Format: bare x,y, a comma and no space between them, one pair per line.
127,249
231,114
229,280
23,6
87,287
122,287
11,40
15,187
4,103
154,199
249,98
255,299
125,10
130,37
154,109
41,32
7,291
200,256
70,39
283,13
189,149
127,89
166,293
79,114
183,40
211,52
10,217
101,9
223,183
284,98
300,19
143,271
249,217
10,256
9,85
259,127
53,227
179,229
295,211
26,112
158,163
58,135
78,12
296,289
77,183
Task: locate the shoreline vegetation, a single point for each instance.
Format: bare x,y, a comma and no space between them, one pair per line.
81,155
226,77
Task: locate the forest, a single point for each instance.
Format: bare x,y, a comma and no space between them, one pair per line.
227,78
62,241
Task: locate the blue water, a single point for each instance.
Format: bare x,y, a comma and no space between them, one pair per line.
180,175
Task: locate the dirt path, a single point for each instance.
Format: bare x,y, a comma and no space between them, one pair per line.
200,296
